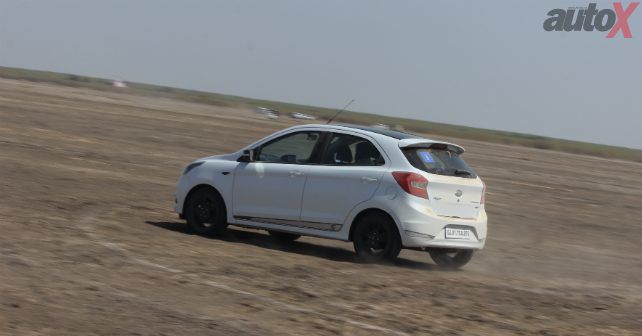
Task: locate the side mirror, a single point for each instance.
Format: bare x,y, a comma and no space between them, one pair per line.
248,156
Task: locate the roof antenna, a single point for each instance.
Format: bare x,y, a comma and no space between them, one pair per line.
343,109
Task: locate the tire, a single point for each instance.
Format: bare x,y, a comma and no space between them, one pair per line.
284,237
205,213
450,258
376,238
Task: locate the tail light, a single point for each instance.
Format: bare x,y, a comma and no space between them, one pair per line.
483,198
412,183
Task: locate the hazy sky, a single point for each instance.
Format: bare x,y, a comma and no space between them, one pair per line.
485,63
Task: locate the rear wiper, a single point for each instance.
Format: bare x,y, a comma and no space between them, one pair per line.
463,172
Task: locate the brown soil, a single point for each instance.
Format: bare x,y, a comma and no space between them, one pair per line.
89,244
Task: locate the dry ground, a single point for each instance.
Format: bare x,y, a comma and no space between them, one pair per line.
89,243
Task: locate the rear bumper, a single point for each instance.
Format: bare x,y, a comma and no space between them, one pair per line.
421,228
412,239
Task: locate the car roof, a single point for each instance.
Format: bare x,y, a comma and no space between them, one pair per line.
405,139
380,131
393,134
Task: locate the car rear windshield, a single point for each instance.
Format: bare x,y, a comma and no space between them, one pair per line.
439,161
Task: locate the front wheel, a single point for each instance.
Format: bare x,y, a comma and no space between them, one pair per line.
205,213
376,239
450,258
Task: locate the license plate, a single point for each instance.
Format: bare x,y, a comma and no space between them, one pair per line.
459,234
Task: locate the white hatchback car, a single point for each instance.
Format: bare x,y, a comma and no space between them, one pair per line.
383,190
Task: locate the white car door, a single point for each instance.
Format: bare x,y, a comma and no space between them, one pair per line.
272,186
350,172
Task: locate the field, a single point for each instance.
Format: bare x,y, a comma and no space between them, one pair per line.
418,126
89,243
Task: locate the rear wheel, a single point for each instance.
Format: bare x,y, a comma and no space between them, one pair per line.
376,238
450,258
205,213
284,237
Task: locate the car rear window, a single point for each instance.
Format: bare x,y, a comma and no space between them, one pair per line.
439,161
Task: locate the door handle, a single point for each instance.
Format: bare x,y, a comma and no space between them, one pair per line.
294,173
368,179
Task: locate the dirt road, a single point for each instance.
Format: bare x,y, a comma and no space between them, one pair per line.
89,243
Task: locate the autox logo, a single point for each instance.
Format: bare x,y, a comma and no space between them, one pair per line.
590,18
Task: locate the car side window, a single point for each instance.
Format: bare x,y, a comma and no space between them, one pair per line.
291,148
344,149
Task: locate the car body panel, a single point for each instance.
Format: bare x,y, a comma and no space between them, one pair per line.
268,190
324,200
356,184
215,172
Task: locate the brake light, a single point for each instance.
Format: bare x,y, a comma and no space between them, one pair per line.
412,183
483,198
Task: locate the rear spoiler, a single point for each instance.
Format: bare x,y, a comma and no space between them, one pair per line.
425,143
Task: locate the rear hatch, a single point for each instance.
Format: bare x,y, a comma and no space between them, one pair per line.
454,190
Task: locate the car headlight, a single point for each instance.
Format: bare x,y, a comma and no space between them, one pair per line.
192,166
